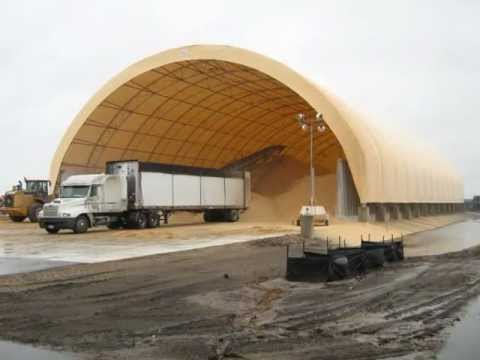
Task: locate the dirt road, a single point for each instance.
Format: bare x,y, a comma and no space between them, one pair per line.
232,300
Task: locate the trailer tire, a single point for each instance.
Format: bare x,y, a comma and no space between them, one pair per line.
81,225
207,216
232,215
141,222
33,212
153,221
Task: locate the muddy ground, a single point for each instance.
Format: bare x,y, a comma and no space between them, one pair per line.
232,300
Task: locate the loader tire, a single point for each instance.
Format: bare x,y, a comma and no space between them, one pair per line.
33,212
15,218
52,230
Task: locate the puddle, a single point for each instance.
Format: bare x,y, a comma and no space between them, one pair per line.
463,344
13,351
442,240
12,265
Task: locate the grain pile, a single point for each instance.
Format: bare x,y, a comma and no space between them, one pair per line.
281,187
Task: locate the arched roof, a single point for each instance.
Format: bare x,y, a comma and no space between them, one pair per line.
209,105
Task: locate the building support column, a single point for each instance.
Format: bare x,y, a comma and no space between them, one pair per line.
395,212
406,211
382,213
415,208
363,213
425,209
441,209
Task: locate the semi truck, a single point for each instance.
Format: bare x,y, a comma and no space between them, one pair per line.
135,194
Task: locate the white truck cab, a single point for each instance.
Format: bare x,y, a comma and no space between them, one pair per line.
82,201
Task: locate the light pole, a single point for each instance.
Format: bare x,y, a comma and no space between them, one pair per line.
310,125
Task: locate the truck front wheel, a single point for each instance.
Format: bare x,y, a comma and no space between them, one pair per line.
81,225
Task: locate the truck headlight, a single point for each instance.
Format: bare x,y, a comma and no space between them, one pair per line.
66,214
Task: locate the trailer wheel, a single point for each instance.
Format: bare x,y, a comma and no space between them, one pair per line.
81,225
153,221
141,222
207,216
233,215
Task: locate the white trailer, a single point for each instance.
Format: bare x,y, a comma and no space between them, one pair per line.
134,194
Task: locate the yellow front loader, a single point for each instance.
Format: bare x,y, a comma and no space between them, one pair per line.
21,203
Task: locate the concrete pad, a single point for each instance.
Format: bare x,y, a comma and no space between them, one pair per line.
28,241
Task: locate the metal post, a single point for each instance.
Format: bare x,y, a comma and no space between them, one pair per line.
312,169
312,125
286,262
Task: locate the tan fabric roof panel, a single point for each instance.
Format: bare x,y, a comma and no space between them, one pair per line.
210,105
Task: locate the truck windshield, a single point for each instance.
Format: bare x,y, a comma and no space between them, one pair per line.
77,191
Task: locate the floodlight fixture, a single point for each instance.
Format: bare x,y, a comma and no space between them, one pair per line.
308,125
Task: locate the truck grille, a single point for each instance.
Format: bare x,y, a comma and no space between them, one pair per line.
50,210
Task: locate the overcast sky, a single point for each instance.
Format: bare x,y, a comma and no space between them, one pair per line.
413,64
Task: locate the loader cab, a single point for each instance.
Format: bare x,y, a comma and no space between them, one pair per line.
26,200
38,188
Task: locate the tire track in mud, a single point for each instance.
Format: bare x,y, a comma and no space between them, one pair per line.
177,306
